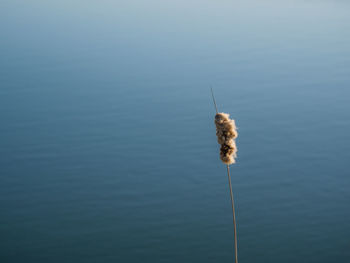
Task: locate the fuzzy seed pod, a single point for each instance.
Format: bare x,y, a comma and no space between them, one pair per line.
226,133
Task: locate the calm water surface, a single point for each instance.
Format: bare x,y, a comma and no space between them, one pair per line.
107,142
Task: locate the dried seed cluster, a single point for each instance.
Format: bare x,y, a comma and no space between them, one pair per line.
226,133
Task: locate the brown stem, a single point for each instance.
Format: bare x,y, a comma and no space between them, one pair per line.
233,213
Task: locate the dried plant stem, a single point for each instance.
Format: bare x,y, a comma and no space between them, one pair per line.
226,132
212,94
233,213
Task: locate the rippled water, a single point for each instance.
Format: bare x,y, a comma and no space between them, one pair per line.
108,148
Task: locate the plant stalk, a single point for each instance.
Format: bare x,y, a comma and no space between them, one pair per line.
233,213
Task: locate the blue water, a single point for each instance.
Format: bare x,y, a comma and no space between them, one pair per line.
107,141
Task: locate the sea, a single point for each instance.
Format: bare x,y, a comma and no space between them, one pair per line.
108,150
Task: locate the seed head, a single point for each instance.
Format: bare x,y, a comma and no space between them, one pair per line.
226,133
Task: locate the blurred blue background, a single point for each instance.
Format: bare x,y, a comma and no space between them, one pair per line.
107,141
